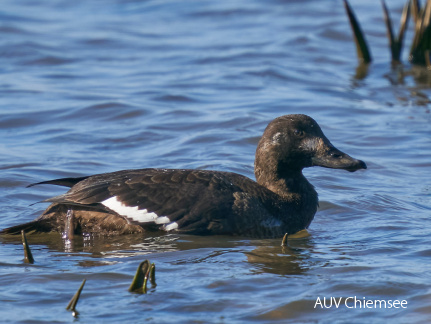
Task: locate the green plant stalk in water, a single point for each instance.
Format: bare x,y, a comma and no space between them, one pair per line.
28,256
140,281
364,53
396,43
419,53
72,304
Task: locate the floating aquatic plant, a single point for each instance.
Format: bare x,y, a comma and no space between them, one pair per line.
28,256
144,272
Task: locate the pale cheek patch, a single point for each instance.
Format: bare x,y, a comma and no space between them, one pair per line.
276,138
139,215
311,144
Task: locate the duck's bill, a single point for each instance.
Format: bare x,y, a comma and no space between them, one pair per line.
335,159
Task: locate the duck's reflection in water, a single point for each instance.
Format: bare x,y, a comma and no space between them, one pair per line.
270,257
266,256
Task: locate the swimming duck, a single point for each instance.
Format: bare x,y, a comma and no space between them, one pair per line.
204,202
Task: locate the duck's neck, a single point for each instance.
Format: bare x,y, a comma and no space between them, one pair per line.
294,189
288,184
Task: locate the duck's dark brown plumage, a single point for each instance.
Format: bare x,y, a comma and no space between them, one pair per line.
202,201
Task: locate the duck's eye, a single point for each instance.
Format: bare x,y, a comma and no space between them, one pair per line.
298,133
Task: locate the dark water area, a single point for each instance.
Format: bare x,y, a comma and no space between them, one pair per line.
97,86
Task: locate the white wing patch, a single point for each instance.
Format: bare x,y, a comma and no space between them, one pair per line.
139,215
170,227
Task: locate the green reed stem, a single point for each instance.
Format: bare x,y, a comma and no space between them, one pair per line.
28,256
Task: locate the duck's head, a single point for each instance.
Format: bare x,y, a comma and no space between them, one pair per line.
293,142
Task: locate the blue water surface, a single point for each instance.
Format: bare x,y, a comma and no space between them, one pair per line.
97,86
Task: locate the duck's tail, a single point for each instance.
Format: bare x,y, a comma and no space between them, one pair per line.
38,226
47,222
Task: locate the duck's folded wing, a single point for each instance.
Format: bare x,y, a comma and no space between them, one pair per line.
169,198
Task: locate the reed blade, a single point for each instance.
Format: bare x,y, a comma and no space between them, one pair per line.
392,41
426,36
364,54
422,38
415,48
153,274
404,22
396,43
427,15
139,283
72,304
416,8
284,240
427,59
28,256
